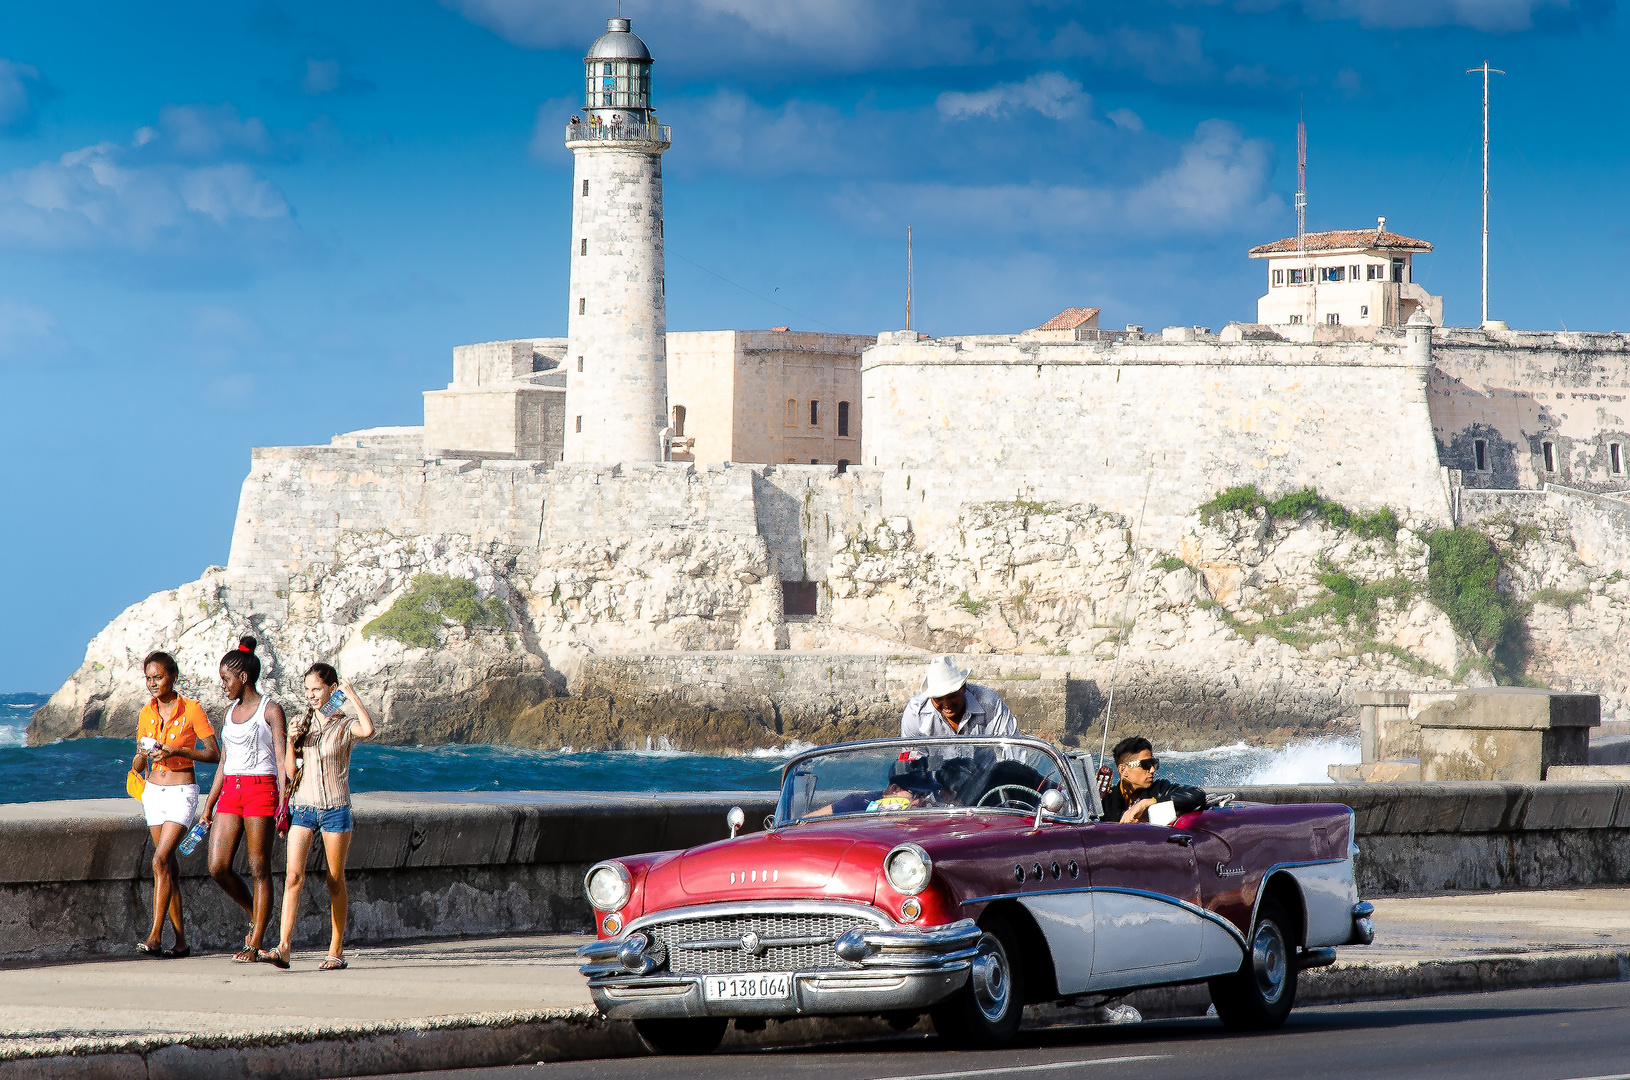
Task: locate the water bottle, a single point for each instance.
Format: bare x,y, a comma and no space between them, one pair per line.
194,837
332,705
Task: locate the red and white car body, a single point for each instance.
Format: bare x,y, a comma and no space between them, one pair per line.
966,878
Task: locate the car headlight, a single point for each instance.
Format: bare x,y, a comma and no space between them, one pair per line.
908,869
607,885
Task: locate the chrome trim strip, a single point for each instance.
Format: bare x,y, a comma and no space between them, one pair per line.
767,942
853,908
1162,897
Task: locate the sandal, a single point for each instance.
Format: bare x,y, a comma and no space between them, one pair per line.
179,954
272,957
244,955
333,963
147,950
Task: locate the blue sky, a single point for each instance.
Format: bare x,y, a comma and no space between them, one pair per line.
224,225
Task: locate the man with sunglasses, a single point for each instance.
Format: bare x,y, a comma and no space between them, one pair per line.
1138,790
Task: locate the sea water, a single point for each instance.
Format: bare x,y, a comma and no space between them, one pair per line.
95,768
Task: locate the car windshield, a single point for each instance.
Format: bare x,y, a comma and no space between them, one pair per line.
902,776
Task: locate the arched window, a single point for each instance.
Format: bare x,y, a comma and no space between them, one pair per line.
843,419
792,412
679,420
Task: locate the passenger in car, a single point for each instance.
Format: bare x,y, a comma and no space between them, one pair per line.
1138,790
950,705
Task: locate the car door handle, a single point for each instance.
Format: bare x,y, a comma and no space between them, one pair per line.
1180,838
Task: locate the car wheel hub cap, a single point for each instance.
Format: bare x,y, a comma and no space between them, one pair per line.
1268,961
991,986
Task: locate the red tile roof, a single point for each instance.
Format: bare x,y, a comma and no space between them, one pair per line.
1342,239
1070,319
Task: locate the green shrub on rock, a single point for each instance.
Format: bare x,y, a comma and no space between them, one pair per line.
1462,579
430,600
1247,498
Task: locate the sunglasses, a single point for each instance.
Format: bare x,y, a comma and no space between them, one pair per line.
1146,764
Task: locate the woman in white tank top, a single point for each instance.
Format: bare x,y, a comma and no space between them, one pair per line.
249,787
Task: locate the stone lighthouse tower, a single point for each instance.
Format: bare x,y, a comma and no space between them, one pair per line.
616,360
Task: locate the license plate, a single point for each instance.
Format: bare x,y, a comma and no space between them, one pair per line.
747,987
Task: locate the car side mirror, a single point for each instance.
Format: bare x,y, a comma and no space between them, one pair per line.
1052,801
735,819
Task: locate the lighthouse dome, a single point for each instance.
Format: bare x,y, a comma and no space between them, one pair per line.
618,43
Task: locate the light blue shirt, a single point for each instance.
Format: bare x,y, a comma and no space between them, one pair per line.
983,713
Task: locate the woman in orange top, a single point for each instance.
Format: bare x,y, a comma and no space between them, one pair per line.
171,733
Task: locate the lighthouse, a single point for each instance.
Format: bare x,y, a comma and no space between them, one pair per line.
616,357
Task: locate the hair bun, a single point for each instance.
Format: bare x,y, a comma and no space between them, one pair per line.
247,644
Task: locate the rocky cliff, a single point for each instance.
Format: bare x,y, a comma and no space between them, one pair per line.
1250,627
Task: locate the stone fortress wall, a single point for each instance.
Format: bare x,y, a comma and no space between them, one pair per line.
1515,391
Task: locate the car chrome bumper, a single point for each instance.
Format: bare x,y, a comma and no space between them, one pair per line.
1363,923
897,970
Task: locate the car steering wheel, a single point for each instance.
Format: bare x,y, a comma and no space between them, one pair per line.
1001,791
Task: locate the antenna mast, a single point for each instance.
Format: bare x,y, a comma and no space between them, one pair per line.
908,277
1486,72
1301,186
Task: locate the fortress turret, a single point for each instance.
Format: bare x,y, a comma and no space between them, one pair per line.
616,362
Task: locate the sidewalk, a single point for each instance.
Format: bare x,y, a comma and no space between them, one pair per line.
504,1000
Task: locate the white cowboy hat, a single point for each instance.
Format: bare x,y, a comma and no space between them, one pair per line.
943,677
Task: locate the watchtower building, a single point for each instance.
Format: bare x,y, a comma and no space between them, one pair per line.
616,358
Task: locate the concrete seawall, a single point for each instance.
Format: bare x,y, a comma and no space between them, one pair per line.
75,876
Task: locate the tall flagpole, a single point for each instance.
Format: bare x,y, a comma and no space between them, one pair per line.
908,277
1486,72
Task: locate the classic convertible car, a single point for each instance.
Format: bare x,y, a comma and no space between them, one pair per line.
966,878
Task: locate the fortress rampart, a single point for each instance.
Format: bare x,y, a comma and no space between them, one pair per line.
1112,423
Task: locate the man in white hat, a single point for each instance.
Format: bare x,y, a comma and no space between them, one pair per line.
951,705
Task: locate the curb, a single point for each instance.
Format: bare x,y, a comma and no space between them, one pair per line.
491,1039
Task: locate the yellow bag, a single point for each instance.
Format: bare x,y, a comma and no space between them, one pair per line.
135,784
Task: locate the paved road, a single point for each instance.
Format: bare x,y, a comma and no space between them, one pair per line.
1559,1034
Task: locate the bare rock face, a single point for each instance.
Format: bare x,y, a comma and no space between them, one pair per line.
419,694
1246,629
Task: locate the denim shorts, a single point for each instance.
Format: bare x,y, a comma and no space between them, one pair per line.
337,820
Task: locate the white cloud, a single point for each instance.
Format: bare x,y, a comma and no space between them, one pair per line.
1218,184
184,187
1126,120
19,85
1049,93
26,329
329,76
1494,16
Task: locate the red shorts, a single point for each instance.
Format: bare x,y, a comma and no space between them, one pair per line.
248,796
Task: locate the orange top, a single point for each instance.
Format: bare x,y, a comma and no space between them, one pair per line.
185,727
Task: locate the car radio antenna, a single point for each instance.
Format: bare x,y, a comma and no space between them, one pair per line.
1105,773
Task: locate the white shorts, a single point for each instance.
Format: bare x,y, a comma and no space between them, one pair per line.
170,802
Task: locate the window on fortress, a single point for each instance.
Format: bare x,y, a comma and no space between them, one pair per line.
814,414
583,246
792,413
1549,450
1372,272
1615,455
843,465
582,305
843,419
679,420
1296,320
580,363
1333,319
1480,451
1278,277
585,189
799,599
1364,309
1397,270
1300,277
1352,273
1332,273
814,461
580,425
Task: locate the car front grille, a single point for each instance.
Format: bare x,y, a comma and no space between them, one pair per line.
810,949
